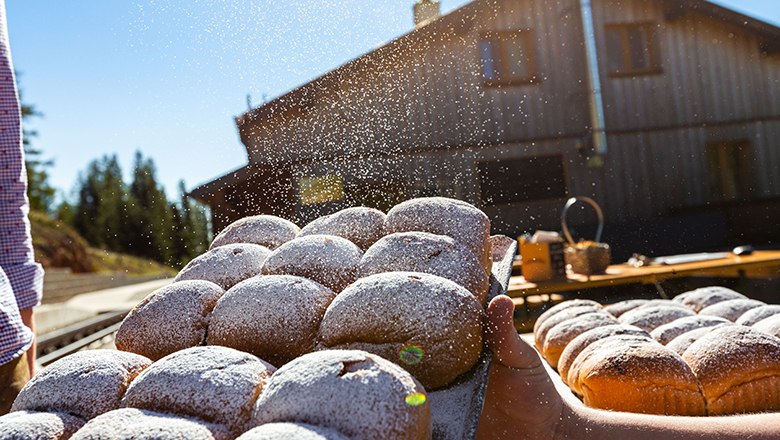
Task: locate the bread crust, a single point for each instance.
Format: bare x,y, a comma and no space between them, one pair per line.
649,318
562,334
668,332
706,296
360,225
265,230
582,341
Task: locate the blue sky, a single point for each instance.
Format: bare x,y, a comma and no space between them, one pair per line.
168,79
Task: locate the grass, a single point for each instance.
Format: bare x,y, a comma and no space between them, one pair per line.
106,261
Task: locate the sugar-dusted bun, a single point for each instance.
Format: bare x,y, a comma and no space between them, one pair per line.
738,368
609,343
661,302
274,317
582,341
327,259
85,384
562,334
682,342
668,332
360,225
226,265
619,308
358,394
170,319
540,330
265,230
752,316
648,319
640,377
428,324
215,384
439,215
731,309
138,424
287,431
770,325
554,310
31,425
706,296
428,253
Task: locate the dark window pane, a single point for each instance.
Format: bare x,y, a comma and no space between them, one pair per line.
639,48
615,50
515,58
522,180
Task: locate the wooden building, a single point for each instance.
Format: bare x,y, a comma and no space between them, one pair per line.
491,104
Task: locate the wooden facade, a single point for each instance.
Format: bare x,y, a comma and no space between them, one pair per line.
692,120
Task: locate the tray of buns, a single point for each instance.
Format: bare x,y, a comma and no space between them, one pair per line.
709,351
360,325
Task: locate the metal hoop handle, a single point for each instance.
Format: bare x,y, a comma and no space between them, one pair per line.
589,201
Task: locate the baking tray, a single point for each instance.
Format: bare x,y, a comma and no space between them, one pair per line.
457,408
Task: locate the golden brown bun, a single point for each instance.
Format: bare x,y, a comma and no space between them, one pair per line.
731,309
738,368
622,307
559,336
616,342
753,316
560,307
640,377
540,331
575,347
682,342
770,325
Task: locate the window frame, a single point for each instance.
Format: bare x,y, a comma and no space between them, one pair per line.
529,49
653,50
485,191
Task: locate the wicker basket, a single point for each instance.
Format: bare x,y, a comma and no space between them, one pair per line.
592,259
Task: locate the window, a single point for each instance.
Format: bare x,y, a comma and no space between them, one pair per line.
632,49
508,58
729,166
522,180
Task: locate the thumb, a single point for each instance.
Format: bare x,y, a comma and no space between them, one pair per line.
508,349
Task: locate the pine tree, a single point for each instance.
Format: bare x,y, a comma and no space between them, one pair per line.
99,213
150,218
39,191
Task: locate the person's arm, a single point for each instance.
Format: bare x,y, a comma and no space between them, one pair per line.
523,403
16,251
28,318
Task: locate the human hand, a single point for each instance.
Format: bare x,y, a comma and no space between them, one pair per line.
521,401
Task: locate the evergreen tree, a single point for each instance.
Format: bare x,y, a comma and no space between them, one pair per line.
150,218
99,214
190,228
39,191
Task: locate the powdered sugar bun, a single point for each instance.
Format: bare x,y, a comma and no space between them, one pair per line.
578,344
327,259
428,324
731,309
706,296
31,425
138,424
752,316
770,325
286,431
428,253
554,310
274,317
562,334
619,308
362,226
661,302
215,384
540,331
355,393
648,319
170,319
265,230
640,377
226,265
738,368
682,342
85,384
439,215
668,332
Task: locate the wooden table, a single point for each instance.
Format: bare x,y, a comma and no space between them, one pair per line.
763,263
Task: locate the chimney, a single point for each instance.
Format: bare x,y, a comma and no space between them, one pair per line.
426,10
